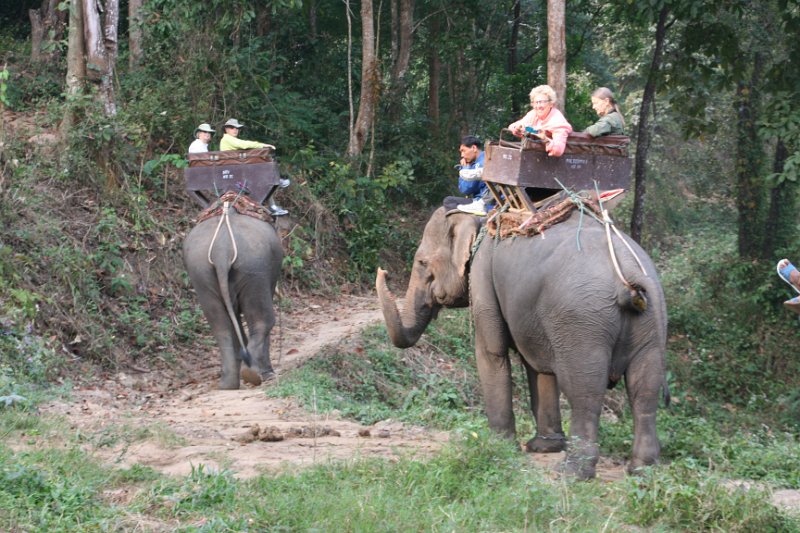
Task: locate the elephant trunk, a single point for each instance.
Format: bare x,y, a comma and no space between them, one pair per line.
404,328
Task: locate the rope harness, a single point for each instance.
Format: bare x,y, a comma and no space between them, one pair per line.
503,224
243,205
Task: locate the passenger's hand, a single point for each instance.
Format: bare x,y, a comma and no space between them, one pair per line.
269,146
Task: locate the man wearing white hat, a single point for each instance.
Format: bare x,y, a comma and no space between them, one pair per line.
202,135
231,141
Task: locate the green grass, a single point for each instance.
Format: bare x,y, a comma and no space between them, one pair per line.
478,482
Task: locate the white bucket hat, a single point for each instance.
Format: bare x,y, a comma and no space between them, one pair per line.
204,127
233,123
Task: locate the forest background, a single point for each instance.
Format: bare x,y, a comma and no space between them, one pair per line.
366,102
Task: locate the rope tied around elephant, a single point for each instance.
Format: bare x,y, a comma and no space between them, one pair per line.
221,208
504,224
243,204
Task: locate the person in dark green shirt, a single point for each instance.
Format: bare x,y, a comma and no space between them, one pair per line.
611,121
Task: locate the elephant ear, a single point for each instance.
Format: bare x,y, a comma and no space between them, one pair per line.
463,232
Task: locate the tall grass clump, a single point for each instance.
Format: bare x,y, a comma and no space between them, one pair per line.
683,497
370,380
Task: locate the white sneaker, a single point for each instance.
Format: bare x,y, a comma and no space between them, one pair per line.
284,182
277,211
477,207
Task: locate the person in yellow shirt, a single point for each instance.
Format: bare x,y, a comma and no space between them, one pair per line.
231,141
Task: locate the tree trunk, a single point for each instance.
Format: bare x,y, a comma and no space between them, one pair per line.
47,27
512,51
402,38
37,34
780,223
76,67
100,40
434,77
312,20
135,34
557,50
111,46
643,131
370,83
749,182
405,38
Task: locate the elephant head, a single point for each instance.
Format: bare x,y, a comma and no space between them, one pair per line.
439,277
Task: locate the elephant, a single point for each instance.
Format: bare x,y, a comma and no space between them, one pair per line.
557,300
234,267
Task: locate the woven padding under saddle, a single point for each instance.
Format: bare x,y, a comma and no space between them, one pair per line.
526,224
243,204
230,157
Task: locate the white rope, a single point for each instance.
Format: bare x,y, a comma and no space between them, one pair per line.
607,224
225,217
630,249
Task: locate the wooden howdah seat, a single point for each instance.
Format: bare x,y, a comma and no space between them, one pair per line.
520,173
210,174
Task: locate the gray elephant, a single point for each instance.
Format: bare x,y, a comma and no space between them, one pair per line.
577,327
236,278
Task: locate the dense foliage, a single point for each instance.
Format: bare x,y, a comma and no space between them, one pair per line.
91,227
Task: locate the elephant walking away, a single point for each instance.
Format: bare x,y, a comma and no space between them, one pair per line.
577,327
234,262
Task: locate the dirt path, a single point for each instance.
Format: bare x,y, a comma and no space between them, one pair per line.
174,421
172,418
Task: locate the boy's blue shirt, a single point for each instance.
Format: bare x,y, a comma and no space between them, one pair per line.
472,188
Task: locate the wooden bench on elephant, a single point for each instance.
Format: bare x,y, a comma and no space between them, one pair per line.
211,174
520,173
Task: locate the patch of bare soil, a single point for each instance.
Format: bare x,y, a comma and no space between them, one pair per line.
173,419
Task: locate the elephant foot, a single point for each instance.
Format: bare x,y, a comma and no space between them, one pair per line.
638,467
577,470
227,384
581,460
547,444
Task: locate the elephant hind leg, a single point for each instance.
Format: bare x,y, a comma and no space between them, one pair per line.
543,389
585,393
643,385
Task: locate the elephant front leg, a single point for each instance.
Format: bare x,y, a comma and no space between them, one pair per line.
544,396
494,371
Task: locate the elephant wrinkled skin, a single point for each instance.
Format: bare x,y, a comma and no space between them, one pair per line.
577,327
231,289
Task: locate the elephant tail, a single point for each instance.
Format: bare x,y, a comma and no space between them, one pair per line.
224,287
633,296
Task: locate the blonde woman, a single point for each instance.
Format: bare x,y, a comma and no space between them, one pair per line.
546,120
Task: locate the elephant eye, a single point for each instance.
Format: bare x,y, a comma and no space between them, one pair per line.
422,262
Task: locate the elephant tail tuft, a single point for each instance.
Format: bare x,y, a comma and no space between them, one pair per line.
245,356
633,297
665,389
